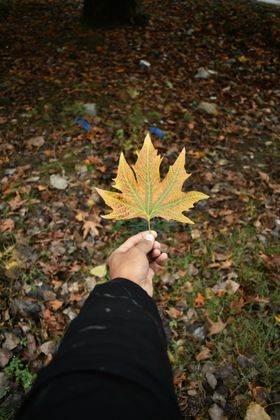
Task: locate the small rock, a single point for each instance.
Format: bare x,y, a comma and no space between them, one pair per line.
48,295
202,74
11,341
208,367
58,182
167,278
192,392
144,64
74,287
90,109
211,379
197,332
216,413
26,307
38,142
190,316
49,347
90,283
224,371
219,398
208,108
245,362
5,356
10,171
70,313
81,169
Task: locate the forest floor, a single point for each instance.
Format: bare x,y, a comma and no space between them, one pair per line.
219,295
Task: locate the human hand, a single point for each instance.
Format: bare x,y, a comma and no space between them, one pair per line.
138,259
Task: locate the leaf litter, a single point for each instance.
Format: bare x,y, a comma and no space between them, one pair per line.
232,149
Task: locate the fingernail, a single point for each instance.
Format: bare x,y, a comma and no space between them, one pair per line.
149,237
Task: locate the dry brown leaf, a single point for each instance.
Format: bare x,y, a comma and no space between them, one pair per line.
16,202
215,327
90,227
204,354
81,216
227,287
7,225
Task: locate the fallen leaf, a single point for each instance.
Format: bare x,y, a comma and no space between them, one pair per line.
142,192
227,287
243,59
90,226
195,234
41,187
55,304
16,202
7,225
81,216
3,120
37,142
199,301
48,347
178,378
5,356
99,271
264,176
174,313
11,341
204,354
215,327
256,412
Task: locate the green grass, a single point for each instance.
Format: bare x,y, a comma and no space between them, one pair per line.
20,373
251,331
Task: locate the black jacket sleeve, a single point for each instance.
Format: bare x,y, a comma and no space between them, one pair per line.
111,364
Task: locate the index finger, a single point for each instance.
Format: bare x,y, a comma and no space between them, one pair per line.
134,240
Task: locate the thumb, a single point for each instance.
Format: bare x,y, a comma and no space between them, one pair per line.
146,245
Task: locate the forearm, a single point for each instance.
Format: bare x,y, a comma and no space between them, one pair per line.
118,339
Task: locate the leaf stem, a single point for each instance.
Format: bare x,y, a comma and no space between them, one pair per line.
149,225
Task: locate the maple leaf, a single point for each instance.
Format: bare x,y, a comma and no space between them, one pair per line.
215,327
90,226
142,192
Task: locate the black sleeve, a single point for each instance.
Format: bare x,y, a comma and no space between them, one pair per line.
111,364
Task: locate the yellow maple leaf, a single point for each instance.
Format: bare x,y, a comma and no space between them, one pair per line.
142,192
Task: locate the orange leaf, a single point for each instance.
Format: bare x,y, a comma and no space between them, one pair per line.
174,313
55,304
199,301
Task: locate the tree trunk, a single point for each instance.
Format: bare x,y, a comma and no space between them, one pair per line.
106,12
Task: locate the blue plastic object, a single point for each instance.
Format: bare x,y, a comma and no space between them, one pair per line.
157,132
83,123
